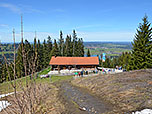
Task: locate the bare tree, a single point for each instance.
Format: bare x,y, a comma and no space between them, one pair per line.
27,98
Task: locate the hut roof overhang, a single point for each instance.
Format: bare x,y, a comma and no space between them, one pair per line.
74,61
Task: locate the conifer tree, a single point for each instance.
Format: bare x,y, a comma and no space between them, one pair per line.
114,62
88,53
75,47
71,45
40,55
49,46
141,46
29,49
19,63
45,55
0,69
107,62
68,47
80,48
61,42
149,58
4,75
55,50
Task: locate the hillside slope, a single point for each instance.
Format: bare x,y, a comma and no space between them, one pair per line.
128,91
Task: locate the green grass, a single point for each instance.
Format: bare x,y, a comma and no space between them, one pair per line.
45,71
53,79
6,86
60,78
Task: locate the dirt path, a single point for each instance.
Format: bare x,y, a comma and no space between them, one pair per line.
83,102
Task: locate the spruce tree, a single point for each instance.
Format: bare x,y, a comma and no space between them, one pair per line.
55,50
4,75
40,56
61,42
80,48
0,69
29,50
49,46
107,62
75,47
141,46
45,55
71,45
149,58
19,63
68,46
88,53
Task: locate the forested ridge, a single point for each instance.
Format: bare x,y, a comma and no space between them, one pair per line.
40,53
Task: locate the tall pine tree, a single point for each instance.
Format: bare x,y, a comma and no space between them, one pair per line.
19,62
49,46
68,46
40,56
55,50
61,42
0,69
75,49
88,53
141,46
45,55
80,48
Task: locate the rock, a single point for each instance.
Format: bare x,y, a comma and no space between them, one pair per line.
83,109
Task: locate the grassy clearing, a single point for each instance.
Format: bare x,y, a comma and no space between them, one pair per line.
6,86
60,78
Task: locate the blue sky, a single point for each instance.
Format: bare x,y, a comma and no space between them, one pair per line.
94,20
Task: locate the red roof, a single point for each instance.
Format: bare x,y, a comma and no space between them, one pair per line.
74,61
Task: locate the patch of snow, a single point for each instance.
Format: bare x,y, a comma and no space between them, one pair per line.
4,104
64,71
145,111
4,95
53,72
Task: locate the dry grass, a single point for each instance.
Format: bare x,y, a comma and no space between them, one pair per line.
128,91
44,100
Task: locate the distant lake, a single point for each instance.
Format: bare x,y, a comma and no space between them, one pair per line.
93,56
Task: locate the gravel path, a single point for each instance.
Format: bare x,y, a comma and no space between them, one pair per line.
83,100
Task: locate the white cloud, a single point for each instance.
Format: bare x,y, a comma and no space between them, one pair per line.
11,7
4,26
29,9
22,8
19,9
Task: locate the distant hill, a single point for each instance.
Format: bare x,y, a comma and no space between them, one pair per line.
112,49
126,45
